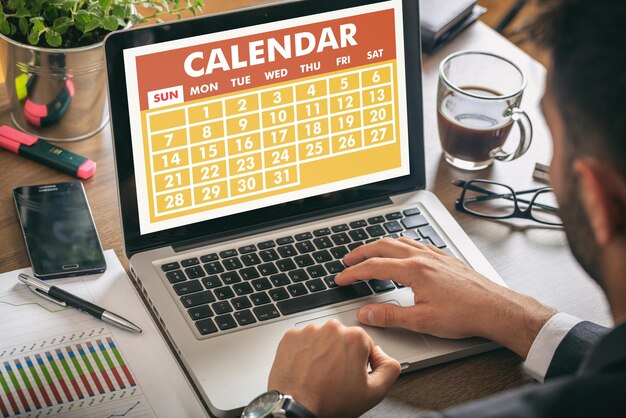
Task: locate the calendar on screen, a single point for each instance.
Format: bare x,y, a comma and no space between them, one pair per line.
239,120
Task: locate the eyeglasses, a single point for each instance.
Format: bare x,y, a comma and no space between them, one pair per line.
491,200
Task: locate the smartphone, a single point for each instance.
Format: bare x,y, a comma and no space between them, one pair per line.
61,237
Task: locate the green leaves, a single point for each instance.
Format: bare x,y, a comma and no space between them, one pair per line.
72,23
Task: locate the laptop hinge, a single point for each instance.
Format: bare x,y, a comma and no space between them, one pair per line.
281,223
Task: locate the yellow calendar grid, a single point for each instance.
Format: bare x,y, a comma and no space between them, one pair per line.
261,142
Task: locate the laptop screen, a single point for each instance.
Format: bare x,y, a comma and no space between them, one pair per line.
259,115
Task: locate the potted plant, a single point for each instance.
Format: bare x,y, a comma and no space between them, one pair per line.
54,64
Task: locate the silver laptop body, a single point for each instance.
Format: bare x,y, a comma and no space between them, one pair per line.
179,245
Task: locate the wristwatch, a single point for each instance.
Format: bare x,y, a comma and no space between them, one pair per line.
275,404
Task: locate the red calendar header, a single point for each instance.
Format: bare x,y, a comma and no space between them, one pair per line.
211,69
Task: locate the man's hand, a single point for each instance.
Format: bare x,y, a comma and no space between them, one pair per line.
325,369
451,299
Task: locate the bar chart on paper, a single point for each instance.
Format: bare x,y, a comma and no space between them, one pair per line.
62,363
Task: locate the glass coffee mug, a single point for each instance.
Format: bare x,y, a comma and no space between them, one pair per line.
478,101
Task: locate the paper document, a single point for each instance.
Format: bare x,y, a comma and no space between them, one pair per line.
57,361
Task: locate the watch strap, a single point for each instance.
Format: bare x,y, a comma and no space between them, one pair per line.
293,409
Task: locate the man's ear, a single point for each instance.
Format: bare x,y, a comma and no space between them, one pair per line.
603,194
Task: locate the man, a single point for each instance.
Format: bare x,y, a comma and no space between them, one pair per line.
325,368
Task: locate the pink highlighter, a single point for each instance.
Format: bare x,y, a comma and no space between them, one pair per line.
41,151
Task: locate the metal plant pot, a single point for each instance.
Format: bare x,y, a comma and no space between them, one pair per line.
56,94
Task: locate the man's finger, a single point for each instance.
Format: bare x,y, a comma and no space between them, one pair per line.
385,371
421,246
377,268
386,247
387,315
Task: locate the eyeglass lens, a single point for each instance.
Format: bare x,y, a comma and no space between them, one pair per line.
489,199
544,208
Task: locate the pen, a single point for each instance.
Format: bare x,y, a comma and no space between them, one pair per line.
63,298
43,152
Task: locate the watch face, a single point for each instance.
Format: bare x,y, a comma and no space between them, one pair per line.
262,405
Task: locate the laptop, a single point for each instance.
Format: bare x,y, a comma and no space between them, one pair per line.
254,149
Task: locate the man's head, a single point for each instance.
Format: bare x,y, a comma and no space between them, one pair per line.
585,106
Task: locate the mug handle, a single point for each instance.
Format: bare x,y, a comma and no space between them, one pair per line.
522,120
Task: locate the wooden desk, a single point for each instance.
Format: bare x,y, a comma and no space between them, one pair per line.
531,259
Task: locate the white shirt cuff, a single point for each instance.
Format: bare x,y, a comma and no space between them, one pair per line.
545,344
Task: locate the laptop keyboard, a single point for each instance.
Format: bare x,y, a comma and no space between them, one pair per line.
269,279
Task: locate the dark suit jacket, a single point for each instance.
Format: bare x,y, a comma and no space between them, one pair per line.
586,378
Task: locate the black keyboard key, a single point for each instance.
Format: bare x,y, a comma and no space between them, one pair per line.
340,228
222,307
194,272
188,287
206,326
327,297
211,282
316,271
175,276
200,312
249,273
411,212
358,224
279,294
224,292
298,275
242,288
322,256
209,257
232,263
213,267
339,252
414,221
287,251
247,249
358,234
430,233
334,267
340,238
280,280
398,285
266,244
304,260
285,264
297,289
303,236
322,242
425,241
230,277
354,245
266,312
267,269
371,240
196,299
245,317
260,298
225,322
261,284
393,215
190,262
375,230
322,231
393,226
250,259
284,240
380,286
241,302
305,247
315,285
330,281
411,233
394,235
375,220
170,266
269,255
228,253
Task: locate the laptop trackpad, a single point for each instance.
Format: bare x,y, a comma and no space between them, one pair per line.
400,344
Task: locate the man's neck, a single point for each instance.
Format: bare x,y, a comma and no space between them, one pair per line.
614,280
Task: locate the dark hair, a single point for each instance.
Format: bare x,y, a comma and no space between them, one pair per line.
587,41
